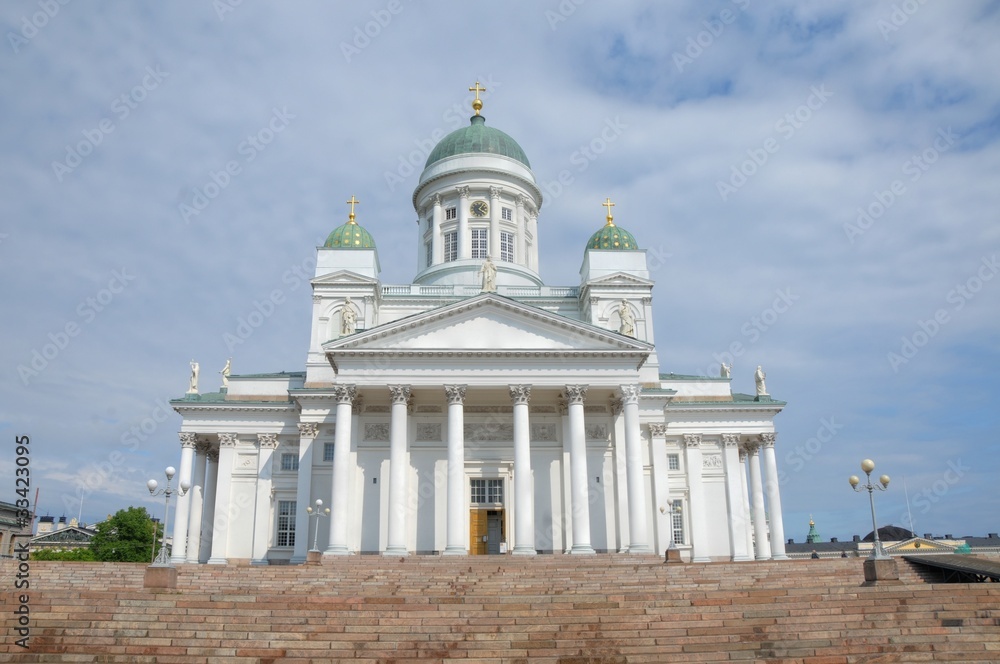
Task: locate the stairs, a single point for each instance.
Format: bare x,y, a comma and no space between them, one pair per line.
566,609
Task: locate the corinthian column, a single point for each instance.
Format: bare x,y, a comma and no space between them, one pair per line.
178,552
734,498
223,499
266,444
524,506
303,485
699,537
637,525
464,242
761,545
396,544
340,495
575,395
773,497
456,541
197,502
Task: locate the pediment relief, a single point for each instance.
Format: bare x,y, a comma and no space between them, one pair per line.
342,277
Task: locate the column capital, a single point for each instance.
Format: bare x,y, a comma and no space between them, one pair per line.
767,440
344,393
630,393
617,406
752,447
520,394
495,191
692,440
188,440
213,456
658,430
308,429
267,440
519,200
227,440
743,453
575,394
437,199
399,394
463,191
202,447
455,393
731,439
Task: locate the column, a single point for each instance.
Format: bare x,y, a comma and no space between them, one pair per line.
773,497
495,223
524,493
464,241
522,231
437,240
696,492
748,529
457,542
532,260
634,469
575,395
178,552
761,546
734,498
266,443
661,486
398,467
340,493
197,503
303,488
208,510
223,499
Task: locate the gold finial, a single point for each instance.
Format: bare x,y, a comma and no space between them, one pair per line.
608,204
477,104
352,203
811,522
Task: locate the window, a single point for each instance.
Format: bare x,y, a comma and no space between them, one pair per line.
487,491
677,518
327,451
506,214
451,246
674,461
286,524
507,247
289,461
480,242
450,213
429,249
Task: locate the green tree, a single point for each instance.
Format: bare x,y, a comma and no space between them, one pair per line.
70,554
126,537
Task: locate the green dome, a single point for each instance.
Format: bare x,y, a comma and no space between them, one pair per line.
349,236
612,238
477,137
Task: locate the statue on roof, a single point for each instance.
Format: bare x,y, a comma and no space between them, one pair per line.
489,272
726,370
348,318
627,326
226,370
193,382
758,378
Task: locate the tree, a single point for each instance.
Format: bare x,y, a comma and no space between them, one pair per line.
70,554
125,537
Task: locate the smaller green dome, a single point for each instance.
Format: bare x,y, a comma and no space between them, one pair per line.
349,236
612,238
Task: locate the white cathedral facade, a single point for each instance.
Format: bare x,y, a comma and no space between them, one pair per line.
477,410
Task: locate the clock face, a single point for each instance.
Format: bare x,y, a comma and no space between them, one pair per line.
479,209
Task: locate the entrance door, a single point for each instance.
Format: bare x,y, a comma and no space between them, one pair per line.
494,519
485,532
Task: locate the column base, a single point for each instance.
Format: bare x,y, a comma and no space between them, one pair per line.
396,551
178,560
742,559
524,550
455,551
582,549
762,557
337,551
701,559
217,561
780,556
639,549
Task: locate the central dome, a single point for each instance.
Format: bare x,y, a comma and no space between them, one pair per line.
477,138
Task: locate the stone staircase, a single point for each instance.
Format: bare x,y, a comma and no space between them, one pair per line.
566,609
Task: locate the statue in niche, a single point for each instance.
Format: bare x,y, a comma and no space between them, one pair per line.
758,379
627,319
193,382
348,318
489,272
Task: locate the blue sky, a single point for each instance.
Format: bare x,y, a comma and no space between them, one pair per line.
838,158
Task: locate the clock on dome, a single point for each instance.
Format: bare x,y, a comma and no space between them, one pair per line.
479,209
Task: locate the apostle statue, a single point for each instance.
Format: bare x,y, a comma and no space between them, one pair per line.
348,318
627,319
489,272
758,379
725,370
193,382
226,370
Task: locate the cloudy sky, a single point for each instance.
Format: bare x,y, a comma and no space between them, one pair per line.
816,184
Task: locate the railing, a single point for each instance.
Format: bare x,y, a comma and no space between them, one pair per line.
458,290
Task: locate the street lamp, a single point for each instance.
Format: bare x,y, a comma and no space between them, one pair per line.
878,553
162,559
319,512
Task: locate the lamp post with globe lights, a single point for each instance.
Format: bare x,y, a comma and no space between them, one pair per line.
317,514
162,559
878,553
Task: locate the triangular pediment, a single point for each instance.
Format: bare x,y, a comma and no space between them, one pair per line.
342,277
916,544
488,322
620,279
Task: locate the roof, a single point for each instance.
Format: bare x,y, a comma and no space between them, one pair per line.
349,236
612,238
477,138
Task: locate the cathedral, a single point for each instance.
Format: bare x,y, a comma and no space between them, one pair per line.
478,410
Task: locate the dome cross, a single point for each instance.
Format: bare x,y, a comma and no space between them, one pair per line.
477,103
608,204
352,203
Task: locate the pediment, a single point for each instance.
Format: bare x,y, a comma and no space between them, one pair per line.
919,544
487,322
342,277
620,279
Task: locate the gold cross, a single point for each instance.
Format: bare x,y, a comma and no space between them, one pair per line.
352,203
477,104
608,204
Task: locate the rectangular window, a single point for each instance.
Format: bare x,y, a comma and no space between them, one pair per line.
480,242
429,250
478,491
507,247
450,213
677,519
494,491
327,451
486,491
451,246
674,461
506,214
286,523
289,461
